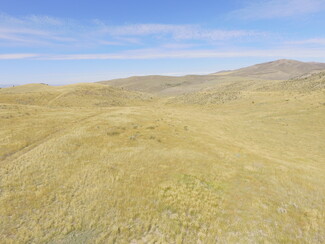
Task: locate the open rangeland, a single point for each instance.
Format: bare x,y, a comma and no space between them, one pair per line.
81,164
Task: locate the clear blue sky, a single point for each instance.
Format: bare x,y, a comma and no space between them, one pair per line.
61,42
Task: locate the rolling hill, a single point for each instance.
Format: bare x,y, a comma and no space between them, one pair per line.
277,70
170,85
76,95
167,85
234,90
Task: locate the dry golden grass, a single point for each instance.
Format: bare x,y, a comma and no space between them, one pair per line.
238,172
76,95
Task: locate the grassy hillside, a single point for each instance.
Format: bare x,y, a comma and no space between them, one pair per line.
172,85
77,95
233,90
167,85
278,70
245,170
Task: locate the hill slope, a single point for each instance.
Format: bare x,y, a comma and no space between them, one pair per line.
278,70
234,90
76,95
171,85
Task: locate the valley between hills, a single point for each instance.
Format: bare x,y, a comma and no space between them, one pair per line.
230,157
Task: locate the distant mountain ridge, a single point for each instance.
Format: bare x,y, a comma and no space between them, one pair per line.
282,69
171,85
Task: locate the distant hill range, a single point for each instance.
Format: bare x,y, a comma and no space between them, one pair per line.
283,69
217,88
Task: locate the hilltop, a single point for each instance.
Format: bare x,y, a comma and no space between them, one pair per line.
282,69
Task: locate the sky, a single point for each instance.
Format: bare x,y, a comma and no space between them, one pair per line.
68,41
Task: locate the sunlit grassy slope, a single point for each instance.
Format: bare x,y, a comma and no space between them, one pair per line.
199,168
77,95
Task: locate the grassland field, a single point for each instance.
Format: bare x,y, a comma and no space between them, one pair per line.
83,167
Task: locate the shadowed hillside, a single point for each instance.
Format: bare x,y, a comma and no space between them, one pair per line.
168,85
